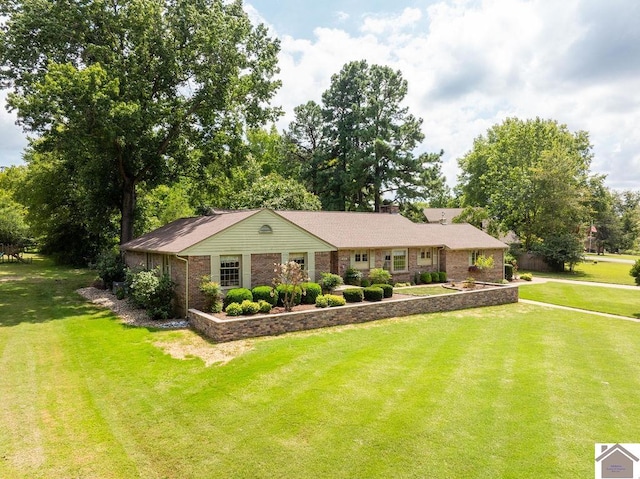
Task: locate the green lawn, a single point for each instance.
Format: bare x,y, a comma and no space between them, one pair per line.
624,302
511,392
600,272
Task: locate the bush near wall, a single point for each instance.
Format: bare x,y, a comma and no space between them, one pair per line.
425,278
312,291
386,288
237,295
373,293
265,293
353,295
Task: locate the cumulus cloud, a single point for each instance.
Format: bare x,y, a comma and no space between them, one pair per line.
470,65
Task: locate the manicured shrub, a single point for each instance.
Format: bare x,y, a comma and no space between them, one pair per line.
386,288
249,307
213,293
352,276
373,293
526,276
435,277
233,309
152,292
284,288
265,306
335,300
508,272
312,291
322,301
353,295
265,293
635,272
379,276
442,277
329,282
110,267
237,295
425,278
365,283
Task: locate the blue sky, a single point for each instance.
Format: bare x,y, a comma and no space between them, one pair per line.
469,64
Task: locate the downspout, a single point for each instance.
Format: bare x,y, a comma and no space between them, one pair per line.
186,285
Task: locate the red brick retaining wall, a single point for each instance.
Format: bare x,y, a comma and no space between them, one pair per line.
233,329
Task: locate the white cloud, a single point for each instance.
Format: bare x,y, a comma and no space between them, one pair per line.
342,16
472,64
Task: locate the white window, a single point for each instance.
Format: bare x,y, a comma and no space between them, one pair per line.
166,268
230,271
298,258
425,256
399,260
387,261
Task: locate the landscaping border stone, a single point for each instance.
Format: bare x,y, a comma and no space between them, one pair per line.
221,330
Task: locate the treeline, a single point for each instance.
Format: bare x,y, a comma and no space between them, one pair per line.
143,112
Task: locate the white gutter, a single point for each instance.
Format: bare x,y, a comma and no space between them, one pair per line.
186,285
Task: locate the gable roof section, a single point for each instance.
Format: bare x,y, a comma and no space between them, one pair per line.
185,232
341,229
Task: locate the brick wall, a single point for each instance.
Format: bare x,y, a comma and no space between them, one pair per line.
262,266
233,329
135,260
457,266
199,266
323,264
178,276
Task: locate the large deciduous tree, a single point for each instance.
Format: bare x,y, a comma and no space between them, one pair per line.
358,147
531,176
133,92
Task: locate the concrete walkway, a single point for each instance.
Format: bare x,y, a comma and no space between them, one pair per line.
578,310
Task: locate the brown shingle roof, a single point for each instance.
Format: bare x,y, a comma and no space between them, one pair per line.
344,230
185,232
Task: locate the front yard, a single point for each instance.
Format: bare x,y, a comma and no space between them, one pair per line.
510,391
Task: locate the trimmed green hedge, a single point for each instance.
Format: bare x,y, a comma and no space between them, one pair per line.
373,293
386,288
237,295
425,278
353,295
265,293
312,291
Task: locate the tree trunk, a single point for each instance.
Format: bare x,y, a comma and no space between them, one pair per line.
128,210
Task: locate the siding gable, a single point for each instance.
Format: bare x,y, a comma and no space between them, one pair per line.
251,236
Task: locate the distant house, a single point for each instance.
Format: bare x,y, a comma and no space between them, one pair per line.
240,248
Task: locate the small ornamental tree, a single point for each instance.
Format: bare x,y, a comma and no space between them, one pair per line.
484,262
292,276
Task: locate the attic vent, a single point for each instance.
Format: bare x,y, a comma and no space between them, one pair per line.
265,229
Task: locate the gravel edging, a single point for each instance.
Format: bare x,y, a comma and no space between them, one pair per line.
128,314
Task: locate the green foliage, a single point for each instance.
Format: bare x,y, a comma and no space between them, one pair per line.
153,292
162,205
531,176
635,271
249,307
364,282
335,300
329,282
435,277
526,276
120,293
353,295
426,277
237,295
312,291
110,267
114,106
558,250
442,276
379,276
508,272
264,306
360,142
386,288
13,226
265,293
373,293
213,293
352,277
322,301
277,193
292,293
233,309
484,262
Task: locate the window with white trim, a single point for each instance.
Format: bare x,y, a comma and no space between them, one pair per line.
299,258
230,271
399,260
425,256
387,261
166,268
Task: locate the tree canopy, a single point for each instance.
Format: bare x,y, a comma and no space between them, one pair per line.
134,93
358,146
531,176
